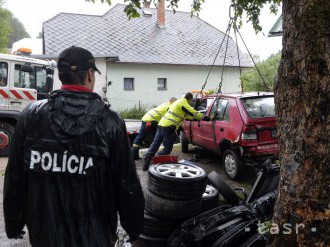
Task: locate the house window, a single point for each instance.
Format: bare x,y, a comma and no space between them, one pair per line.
162,84
129,84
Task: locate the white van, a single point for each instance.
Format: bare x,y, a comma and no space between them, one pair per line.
22,80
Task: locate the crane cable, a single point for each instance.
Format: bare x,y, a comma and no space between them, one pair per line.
215,58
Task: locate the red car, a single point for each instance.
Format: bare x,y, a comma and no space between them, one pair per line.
243,131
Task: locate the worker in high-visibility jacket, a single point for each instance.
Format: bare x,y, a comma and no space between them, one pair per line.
149,125
167,126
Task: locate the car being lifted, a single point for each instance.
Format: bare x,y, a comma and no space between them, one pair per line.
243,129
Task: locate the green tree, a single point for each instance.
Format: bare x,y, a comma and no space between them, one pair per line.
18,31
268,70
40,35
5,28
302,113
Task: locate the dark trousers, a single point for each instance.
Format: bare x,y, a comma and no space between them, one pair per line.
165,135
143,131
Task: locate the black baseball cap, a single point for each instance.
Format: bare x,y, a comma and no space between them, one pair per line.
76,58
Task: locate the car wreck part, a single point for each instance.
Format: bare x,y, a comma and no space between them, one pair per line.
229,194
233,164
177,181
193,230
267,180
210,198
235,226
238,234
242,190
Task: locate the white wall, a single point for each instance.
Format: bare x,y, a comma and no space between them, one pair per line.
180,79
100,80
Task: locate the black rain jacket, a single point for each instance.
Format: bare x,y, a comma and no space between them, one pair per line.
69,172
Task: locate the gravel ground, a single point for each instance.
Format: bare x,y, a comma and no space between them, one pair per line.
202,158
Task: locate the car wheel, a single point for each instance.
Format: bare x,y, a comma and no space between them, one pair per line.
184,143
165,208
229,194
6,136
210,198
233,164
177,181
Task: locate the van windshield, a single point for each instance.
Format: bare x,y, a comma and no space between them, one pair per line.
259,107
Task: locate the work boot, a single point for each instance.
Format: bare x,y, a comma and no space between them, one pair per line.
146,165
135,153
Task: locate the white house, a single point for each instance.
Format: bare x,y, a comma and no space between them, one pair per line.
147,60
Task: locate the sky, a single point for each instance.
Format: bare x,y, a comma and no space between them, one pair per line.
32,13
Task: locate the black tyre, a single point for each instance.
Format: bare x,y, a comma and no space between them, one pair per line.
158,228
232,164
229,194
164,208
184,143
210,198
147,241
177,181
6,137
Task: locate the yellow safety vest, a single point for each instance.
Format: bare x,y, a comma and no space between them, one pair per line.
155,114
175,114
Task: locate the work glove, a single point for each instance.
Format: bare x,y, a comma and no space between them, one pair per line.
206,118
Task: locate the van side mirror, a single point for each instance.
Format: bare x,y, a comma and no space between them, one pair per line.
27,68
49,71
49,84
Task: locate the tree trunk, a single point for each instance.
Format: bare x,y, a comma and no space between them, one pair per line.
302,96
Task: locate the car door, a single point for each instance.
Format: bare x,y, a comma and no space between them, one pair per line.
4,88
22,89
214,131
199,128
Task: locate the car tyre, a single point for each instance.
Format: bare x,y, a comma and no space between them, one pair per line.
164,208
229,194
178,181
210,198
184,143
147,241
6,137
232,164
158,228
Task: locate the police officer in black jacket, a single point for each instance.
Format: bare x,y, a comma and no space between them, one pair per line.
70,170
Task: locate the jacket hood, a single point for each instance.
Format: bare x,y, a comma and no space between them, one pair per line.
74,113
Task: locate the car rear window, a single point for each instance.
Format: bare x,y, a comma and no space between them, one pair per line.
259,107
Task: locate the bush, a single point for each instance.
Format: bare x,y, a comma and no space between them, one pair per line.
133,113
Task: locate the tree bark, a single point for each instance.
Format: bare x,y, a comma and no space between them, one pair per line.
302,96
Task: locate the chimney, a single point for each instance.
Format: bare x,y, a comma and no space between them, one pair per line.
146,4
161,13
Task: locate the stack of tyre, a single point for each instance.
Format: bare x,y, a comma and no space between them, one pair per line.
174,193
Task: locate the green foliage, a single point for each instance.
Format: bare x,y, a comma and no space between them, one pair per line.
251,8
5,28
39,35
268,69
11,29
133,113
18,31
